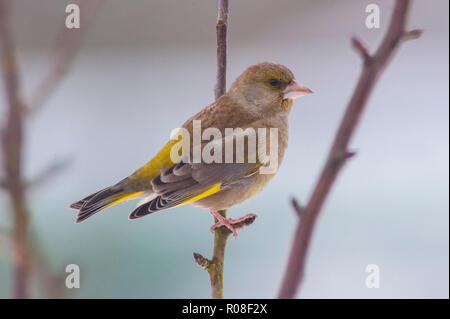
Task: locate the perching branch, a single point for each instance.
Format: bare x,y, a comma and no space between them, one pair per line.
372,67
221,234
221,31
214,266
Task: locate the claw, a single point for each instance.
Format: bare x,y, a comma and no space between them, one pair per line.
227,223
232,224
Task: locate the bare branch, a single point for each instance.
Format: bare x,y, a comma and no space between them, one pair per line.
221,31
12,135
298,209
12,144
360,48
339,150
413,34
215,265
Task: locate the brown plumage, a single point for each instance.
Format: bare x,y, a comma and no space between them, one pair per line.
261,97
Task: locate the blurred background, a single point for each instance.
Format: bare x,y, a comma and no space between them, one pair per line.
146,66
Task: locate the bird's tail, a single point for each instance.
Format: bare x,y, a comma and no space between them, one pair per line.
100,200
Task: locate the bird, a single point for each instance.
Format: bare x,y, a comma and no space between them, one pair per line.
260,98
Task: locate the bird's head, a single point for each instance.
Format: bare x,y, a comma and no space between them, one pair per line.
267,87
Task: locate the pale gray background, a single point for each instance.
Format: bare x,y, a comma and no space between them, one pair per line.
146,66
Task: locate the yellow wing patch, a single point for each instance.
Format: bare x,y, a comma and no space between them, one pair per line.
214,189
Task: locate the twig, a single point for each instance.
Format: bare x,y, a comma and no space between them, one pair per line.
221,31
372,68
214,267
298,208
12,134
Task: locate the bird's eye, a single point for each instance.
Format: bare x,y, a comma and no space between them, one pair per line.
274,82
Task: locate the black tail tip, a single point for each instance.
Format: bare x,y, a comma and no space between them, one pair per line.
140,211
82,217
77,205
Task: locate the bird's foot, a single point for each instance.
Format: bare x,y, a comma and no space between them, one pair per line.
232,224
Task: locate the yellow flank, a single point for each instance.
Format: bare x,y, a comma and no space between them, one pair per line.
209,192
153,168
125,198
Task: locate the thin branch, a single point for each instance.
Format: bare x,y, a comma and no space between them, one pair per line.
221,31
372,68
361,48
297,207
12,136
66,47
214,267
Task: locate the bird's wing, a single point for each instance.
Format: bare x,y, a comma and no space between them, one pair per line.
187,182
224,112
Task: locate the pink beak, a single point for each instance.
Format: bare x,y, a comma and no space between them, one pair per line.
295,90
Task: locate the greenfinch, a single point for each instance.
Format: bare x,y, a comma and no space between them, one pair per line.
259,100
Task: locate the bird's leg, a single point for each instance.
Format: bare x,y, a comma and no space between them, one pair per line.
230,222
